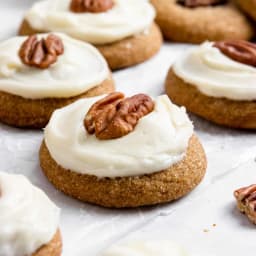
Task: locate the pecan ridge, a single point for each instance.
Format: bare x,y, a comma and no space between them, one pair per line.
94,6
197,3
41,53
246,201
115,116
238,50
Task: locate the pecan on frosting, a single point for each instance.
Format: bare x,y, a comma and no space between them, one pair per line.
41,53
238,50
197,3
246,201
115,116
94,6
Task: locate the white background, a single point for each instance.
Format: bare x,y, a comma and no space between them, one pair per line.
88,229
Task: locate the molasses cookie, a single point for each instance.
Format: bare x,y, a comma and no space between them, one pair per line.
41,73
122,152
248,6
28,219
124,31
199,20
217,81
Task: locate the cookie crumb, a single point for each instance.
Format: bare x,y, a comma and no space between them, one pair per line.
214,225
206,230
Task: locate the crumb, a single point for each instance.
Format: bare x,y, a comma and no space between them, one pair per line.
214,225
206,230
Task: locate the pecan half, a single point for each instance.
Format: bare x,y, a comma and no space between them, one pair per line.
41,53
94,6
197,3
246,201
238,50
115,116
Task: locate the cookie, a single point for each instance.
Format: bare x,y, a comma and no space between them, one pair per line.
195,25
126,36
30,90
248,6
32,229
119,167
216,82
53,248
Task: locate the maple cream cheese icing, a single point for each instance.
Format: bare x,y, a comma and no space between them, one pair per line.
126,18
159,140
145,248
28,219
214,74
80,68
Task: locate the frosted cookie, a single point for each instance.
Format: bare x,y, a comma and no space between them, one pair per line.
41,73
246,201
28,219
123,30
216,81
248,6
122,152
195,21
144,247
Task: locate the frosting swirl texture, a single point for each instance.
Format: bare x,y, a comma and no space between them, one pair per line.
28,219
215,74
159,140
126,18
80,68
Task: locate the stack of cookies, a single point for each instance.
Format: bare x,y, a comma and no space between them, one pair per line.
104,147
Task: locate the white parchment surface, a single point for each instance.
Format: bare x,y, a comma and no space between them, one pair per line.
205,222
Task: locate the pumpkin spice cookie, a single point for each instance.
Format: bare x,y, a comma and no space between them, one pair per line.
249,7
41,73
122,152
194,21
28,219
216,82
124,31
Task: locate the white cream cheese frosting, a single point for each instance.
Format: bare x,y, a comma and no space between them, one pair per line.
79,69
126,18
159,140
145,248
214,74
28,219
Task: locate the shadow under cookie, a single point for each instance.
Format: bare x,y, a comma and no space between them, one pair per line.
196,25
222,111
124,53
53,248
159,187
35,113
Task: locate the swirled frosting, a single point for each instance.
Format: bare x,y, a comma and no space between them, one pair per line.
28,219
79,69
159,140
214,74
126,18
145,248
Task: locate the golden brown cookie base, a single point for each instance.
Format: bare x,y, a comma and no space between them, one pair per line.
248,6
53,248
231,113
160,187
124,53
35,113
197,25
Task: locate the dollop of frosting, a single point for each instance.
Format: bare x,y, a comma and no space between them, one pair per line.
159,140
80,68
214,74
28,219
124,19
145,248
